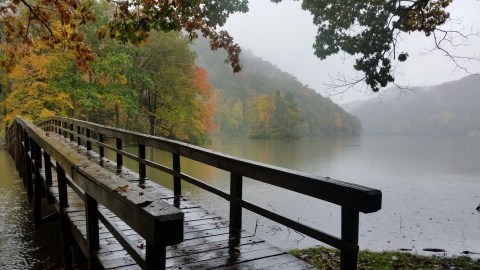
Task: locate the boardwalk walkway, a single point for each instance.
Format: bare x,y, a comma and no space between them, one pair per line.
121,220
206,236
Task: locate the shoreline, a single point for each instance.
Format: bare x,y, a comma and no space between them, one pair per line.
327,258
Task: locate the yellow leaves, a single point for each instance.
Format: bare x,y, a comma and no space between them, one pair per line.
121,189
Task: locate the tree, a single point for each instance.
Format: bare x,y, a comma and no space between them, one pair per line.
132,22
370,30
31,95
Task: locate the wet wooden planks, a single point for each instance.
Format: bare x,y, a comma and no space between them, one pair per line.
206,238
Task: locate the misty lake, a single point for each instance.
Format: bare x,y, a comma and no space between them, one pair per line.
430,186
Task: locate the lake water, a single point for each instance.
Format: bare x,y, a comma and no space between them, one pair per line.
430,185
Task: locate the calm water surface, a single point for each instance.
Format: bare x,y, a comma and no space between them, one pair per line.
21,246
430,185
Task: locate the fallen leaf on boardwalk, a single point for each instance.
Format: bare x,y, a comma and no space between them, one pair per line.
141,246
121,189
144,203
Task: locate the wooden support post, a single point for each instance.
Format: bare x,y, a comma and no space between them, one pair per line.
101,149
91,212
119,156
142,170
59,129
89,143
71,133
37,196
350,224
62,187
235,210
66,242
48,176
177,183
64,125
66,233
155,257
28,168
79,132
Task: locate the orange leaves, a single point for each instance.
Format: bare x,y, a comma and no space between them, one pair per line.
55,23
201,82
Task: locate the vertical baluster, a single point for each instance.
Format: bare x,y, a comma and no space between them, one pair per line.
37,198
142,170
91,209
28,168
71,132
119,155
48,176
235,210
66,233
155,257
350,223
89,143
177,184
101,149
79,133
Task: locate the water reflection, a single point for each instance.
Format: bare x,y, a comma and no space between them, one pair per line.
21,246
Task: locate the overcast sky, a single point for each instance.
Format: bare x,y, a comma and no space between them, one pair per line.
283,34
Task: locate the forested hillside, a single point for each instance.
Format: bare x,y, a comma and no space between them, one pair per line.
264,102
154,88
451,108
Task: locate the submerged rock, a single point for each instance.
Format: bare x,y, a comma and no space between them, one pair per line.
434,249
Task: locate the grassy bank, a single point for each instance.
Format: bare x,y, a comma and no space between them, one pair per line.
325,258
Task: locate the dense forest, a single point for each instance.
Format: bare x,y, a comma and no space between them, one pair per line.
451,108
154,88
263,101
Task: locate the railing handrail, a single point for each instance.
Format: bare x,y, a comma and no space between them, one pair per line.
353,196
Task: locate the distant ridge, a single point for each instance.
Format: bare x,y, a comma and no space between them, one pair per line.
307,113
451,108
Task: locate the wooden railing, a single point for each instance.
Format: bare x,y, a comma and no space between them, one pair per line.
352,198
33,150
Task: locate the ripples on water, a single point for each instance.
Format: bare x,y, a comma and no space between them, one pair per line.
21,246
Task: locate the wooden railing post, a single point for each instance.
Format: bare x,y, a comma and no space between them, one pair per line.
350,224
101,149
62,187
37,196
118,143
155,257
59,127
28,167
79,133
48,176
142,170
89,143
66,233
64,125
71,133
91,213
235,210
177,184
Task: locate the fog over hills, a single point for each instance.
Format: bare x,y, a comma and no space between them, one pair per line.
263,101
451,108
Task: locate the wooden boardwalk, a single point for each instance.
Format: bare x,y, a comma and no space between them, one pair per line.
206,242
120,219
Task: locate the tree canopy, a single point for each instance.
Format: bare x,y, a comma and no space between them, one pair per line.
368,30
